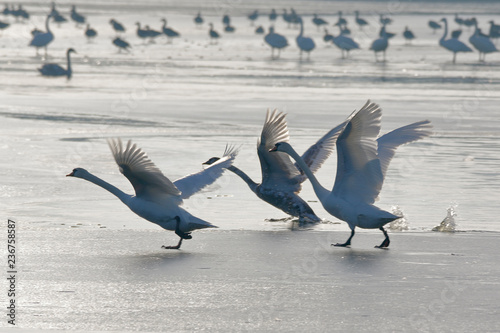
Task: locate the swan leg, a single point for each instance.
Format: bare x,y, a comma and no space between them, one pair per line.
348,242
386,241
176,247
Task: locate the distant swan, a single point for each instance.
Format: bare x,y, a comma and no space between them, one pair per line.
481,43
56,70
305,44
169,32
42,39
434,26
281,179
318,21
360,21
362,162
90,33
79,19
156,198
214,35
380,45
117,26
452,44
345,44
121,44
276,41
198,20
408,35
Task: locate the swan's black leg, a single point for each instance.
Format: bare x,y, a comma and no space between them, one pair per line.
182,235
386,241
348,242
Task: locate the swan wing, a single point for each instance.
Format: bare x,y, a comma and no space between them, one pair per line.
389,142
317,154
53,70
195,182
359,175
148,181
277,167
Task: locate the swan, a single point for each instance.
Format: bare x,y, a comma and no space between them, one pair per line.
156,198
305,44
198,20
494,30
79,19
276,41
452,44
259,30
458,20
318,21
345,44
151,33
380,45
327,37
229,28
117,26
434,26
170,33
281,179
4,25
121,44
408,35
481,43
341,21
142,33
90,33
384,20
56,70
383,31
273,15
362,162
214,35
43,39
359,21
253,17
56,16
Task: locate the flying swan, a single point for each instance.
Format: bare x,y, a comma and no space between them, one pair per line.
281,179
362,162
156,198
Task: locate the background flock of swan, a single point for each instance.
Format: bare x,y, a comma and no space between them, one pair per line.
264,24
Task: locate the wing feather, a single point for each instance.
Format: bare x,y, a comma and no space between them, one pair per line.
195,182
148,181
359,175
277,167
389,142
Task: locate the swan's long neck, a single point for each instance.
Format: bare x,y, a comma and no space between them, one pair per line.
320,191
445,30
164,24
47,23
301,28
253,185
107,186
68,59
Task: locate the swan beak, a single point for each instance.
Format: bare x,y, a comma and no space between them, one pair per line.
70,174
273,149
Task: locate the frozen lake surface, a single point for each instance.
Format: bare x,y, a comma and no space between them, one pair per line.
88,263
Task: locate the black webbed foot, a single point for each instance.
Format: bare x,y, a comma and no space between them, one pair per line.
386,242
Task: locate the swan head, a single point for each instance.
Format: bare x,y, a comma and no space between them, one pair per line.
281,146
70,50
78,173
211,161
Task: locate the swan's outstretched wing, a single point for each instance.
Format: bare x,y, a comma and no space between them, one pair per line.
388,142
277,168
195,182
317,154
359,175
148,181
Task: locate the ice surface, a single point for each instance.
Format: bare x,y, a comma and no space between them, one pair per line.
91,264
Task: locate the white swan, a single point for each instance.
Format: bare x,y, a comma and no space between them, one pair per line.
121,44
344,43
198,20
156,198
169,32
79,19
452,44
360,21
318,21
43,39
90,32
362,162
408,35
117,26
276,41
434,26
305,44
56,70
281,179
381,44
214,35
481,43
